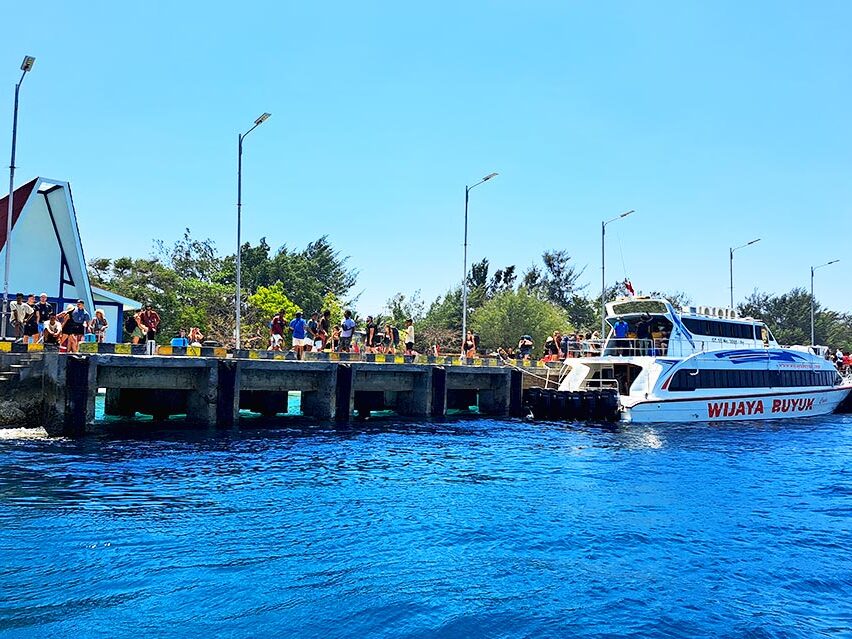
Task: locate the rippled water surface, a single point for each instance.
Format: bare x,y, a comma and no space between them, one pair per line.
469,528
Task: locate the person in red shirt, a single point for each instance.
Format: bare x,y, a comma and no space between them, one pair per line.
151,321
276,332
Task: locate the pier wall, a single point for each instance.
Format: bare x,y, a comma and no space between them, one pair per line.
212,391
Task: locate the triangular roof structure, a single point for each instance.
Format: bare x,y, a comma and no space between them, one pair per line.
46,252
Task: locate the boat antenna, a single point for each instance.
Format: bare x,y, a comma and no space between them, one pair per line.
621,250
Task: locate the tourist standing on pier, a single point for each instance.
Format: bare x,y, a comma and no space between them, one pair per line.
76,322
135,327
31,323
312,329
151,321
525,346
325,325
469,345
323,330
20,311
409,336
347,330
276,332
298,329
370,338
44,310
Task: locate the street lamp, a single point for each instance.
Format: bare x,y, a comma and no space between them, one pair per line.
467,190
813,268
238,297
26,66
731,265
603,268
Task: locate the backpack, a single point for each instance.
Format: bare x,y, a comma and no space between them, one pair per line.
130,323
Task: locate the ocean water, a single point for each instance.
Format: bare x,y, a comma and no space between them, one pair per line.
465,528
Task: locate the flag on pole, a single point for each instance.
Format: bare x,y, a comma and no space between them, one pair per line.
629,286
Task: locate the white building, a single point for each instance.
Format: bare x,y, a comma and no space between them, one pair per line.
47,255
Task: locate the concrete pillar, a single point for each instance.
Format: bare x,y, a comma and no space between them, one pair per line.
516,393
418,401
322,402
439,391
495,399
202,399
227,374
343,394
53,400
77,395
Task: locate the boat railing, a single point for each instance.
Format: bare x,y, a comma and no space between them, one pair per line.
635,347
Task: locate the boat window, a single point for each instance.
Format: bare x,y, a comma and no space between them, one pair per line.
715,328
687,380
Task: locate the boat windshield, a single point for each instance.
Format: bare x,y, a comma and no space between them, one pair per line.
630,307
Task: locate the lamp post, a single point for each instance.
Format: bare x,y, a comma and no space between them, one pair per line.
238,297
813,268
731,265
467,191
26,66
603,268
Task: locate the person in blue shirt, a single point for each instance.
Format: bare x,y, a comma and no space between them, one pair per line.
620,328
300,336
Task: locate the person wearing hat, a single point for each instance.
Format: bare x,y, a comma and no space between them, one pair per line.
300,338
151,321
76,323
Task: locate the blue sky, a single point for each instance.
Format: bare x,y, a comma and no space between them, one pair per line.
718,122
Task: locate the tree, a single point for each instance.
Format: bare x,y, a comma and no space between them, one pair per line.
399,308
508,315
261,306
502,280
332,304
788,316
190,258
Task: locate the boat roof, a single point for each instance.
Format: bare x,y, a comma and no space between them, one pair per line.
698,312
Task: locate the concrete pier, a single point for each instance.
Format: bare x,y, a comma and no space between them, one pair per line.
213,391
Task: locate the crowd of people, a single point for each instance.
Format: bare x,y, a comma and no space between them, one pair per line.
843,361
319,334
38,322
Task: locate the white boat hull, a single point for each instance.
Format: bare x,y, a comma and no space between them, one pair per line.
746,407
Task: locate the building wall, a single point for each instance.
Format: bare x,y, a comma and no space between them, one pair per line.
35,253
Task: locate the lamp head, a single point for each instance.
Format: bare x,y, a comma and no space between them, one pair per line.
28,63
489,176
833,262
263,118
625,214
753,242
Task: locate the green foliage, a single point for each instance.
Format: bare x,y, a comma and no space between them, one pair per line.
400,308
269,300
191,285
331,303
508,315
788,316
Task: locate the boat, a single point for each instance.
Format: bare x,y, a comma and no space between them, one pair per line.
702,364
